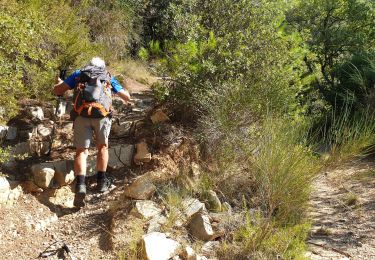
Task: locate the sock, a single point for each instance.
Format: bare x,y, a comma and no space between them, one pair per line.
100,175
80,179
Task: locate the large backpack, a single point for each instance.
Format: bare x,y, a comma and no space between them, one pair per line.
92,95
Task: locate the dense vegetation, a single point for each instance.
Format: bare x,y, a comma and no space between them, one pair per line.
266,84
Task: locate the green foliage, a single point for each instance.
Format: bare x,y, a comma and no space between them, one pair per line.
231,48
333,32
260,239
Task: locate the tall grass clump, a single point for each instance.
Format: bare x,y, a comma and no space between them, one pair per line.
349,135
283,167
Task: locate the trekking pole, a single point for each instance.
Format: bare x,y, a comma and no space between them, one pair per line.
59,100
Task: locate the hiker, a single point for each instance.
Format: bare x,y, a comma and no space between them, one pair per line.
91,114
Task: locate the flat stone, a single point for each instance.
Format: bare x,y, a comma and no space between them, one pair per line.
4,190
43,174
21,149
200,227
146,209
64,172
120,156
142,189
192,206
142,155
159,117
156,246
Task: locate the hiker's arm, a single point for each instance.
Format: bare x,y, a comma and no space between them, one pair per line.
124,95
60,88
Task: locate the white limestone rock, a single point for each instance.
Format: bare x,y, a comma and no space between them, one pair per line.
156,246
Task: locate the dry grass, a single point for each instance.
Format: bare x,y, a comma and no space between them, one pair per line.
136,70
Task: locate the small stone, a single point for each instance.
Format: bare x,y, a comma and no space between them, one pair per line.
142,155
43,131
189,253
4,190
43,175
159,117
36,113
195,169
209,248
156,246
11,133
142,189
3,131
200,227
212,201
155,223
64,172
146,209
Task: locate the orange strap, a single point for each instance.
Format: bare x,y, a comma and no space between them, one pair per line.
98,106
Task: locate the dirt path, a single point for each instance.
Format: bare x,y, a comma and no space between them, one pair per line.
38,222
343,213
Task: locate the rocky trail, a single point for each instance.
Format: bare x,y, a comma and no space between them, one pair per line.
132,220
343,212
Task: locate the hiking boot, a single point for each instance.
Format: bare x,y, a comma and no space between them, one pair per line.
80,194
104,184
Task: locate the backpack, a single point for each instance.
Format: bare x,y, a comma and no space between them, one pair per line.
92,96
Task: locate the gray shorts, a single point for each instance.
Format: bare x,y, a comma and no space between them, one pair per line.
85,127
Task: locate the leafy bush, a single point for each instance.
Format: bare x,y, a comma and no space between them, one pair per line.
249,51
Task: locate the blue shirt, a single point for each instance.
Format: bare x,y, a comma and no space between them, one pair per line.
73,78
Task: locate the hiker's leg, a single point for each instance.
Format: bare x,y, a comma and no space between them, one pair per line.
102,158
102,127
80,161
82,139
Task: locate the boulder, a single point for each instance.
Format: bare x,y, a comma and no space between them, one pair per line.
159,117
142,155
146,209
155,224
43,174
192,206
64,172
120,156
200,227
156,246
4,190
36,113
142,189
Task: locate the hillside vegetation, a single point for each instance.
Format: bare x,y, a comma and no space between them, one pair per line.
273,91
